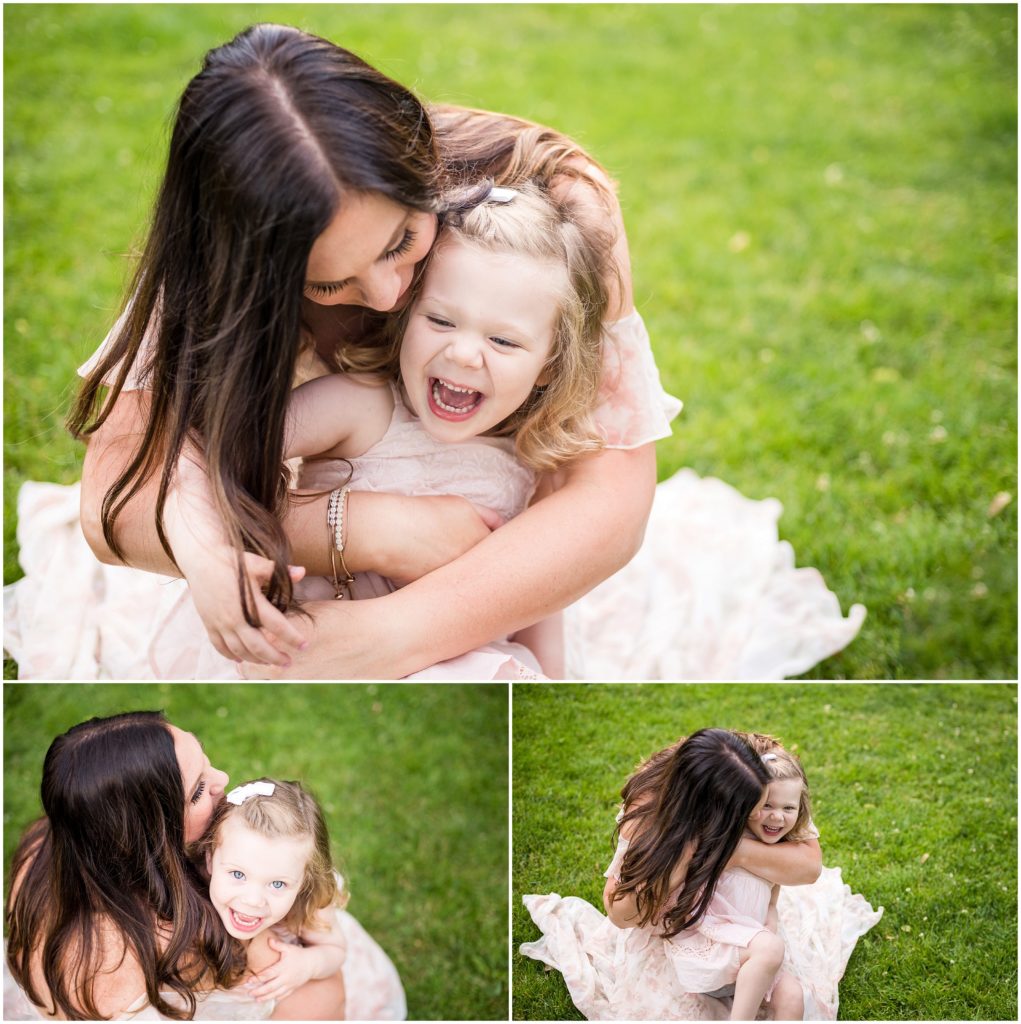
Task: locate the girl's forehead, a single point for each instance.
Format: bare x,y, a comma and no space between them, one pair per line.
238,841
786,790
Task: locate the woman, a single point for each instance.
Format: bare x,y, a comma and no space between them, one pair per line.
106,913
107,917
296,170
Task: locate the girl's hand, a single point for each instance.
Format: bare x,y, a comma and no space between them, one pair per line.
296,966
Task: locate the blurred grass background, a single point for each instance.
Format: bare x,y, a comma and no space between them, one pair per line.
413,780
914,792
821,203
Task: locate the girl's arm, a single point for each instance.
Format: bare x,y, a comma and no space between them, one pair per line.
395,535
340,415
780,863
307,981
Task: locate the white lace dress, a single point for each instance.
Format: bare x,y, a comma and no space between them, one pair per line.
616,973
713,593
373,989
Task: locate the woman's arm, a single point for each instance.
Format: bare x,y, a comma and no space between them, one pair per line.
538,563
780,863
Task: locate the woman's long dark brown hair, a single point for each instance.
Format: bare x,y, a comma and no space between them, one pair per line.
693,797
271,135
110,851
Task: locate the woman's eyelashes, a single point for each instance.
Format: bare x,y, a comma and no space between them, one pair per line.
199,790
324,290
403,245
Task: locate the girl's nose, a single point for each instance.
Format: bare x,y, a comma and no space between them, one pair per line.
463,351
254,897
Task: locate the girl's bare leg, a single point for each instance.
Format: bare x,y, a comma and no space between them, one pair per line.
788,999
315,1000
760,960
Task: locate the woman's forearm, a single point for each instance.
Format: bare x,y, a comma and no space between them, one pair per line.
780,863
537,564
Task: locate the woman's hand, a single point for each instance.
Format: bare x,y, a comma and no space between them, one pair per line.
210,565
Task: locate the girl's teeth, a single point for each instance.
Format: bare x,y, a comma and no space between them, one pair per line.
439,386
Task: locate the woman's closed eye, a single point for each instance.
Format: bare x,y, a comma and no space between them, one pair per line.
199,790
403,245
323,290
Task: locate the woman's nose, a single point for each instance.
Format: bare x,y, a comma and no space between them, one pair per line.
382,288
218,781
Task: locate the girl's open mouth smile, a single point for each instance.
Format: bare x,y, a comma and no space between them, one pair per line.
243,923
451,401
772,830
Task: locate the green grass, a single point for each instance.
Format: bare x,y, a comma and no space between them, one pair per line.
413,780
822,208
914,791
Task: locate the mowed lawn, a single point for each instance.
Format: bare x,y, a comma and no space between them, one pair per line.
821,204
413,780
914,792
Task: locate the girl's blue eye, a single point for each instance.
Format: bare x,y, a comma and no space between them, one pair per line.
239,875
278,885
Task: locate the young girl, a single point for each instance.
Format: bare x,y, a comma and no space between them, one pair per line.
688,925
271,880
493,376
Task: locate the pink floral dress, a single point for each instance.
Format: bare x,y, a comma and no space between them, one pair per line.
636,974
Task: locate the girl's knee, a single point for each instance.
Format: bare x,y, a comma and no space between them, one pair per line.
768,948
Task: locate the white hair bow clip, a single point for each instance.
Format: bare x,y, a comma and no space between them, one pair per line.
765,757
497,194
240,794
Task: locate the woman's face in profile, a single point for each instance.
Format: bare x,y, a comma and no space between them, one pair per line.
203,784
367,254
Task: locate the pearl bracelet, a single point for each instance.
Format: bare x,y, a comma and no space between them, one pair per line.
335,531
